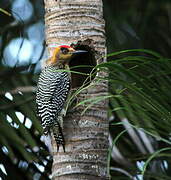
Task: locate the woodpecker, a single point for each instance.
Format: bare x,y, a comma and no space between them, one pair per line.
52,91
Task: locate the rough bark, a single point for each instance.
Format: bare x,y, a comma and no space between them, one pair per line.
68,21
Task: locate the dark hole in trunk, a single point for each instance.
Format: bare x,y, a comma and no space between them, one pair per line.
85,61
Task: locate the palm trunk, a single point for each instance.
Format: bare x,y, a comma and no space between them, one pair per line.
68,21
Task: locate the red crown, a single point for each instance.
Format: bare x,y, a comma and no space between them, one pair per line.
65,46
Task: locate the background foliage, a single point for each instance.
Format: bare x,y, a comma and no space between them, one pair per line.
139,80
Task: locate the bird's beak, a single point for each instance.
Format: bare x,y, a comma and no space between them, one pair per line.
79,52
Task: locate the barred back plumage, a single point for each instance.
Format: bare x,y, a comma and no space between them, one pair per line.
52,90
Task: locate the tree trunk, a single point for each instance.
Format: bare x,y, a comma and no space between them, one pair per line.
86,136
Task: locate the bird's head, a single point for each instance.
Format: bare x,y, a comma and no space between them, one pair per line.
63,54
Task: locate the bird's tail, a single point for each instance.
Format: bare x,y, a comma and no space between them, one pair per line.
58,135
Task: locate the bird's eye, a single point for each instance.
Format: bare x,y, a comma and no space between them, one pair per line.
64,50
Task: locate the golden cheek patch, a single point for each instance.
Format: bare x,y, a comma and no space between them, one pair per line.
65,56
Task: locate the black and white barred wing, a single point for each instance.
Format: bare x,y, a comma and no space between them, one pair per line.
53,88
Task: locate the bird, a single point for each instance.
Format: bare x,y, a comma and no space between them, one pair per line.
53,89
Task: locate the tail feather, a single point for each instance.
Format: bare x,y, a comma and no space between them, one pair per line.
58,135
